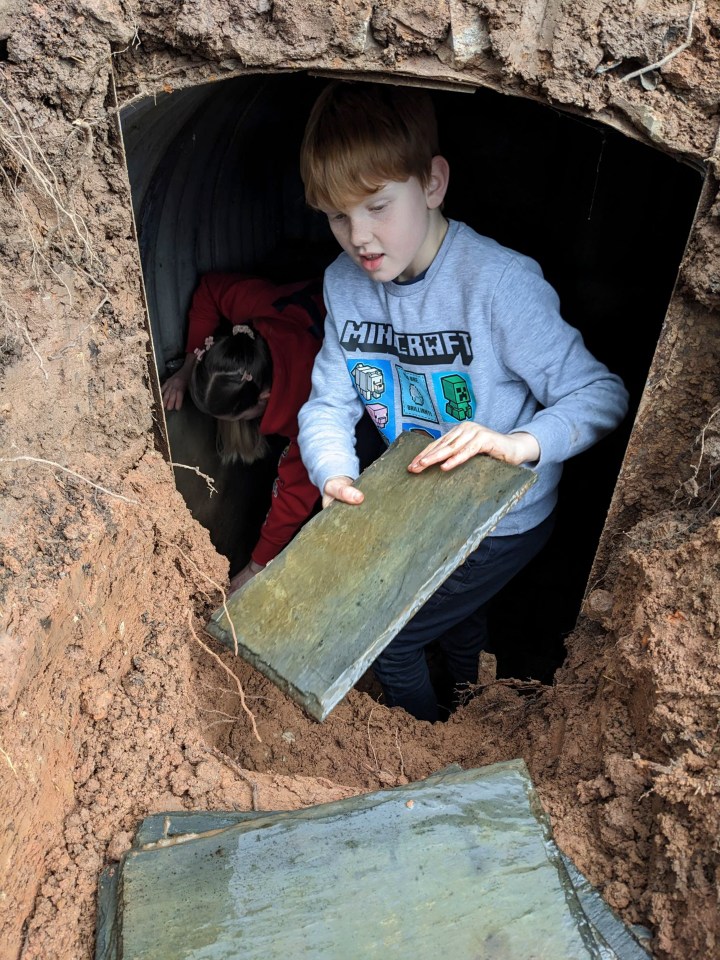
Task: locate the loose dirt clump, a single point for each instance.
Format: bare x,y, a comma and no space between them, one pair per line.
109,708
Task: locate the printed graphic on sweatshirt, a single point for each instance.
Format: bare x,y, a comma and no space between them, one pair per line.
443,346
454,396
374,383
415,395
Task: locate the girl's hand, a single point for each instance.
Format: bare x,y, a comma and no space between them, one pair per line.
173,392
245,575
468,439
341,488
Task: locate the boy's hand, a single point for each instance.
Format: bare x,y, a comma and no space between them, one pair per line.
341,488
468,440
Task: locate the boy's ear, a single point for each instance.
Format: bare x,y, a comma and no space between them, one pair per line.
437,185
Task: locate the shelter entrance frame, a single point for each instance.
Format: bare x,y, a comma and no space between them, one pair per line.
451,85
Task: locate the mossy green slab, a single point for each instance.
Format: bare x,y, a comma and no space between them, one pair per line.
321,612
603,934
608,929
455,866
106,917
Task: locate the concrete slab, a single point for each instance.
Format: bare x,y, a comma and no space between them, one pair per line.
321,612
460,864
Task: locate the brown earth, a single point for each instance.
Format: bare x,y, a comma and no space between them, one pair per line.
109,708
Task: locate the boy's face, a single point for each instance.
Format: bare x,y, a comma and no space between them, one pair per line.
394,233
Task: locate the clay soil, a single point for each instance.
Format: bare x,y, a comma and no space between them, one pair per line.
623,748
110,706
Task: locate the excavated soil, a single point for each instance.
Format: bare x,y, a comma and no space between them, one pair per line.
110,707
623,749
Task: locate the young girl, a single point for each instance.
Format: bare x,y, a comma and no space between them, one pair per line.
250,351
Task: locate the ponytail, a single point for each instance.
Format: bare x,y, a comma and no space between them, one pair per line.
241,440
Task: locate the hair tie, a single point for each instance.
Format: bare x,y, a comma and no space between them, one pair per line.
201,353
243,328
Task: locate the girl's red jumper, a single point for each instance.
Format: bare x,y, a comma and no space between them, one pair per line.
290,319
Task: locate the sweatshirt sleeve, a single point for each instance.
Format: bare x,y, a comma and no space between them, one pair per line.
327,421
232,296
581,400
293,499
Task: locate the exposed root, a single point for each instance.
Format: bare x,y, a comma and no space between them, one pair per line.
175,841
210,481
72,473
9,314
220,713
9,762
705,492
613,680
224,717
238,770
241,692
19,142
217,586
397,744
529,692
669,56
38,251
23,154
135,42
372,748
74,342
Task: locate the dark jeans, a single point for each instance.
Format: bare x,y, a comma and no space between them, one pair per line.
455,617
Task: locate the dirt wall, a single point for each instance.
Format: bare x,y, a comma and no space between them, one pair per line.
104,693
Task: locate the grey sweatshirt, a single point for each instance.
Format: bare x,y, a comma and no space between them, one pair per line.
480,338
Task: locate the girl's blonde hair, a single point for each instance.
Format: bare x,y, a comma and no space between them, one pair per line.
360,136
241,440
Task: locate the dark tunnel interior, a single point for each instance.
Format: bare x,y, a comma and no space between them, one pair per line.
215,185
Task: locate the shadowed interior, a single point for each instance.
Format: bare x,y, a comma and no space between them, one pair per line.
215,185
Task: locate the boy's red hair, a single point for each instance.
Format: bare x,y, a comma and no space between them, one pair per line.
362,135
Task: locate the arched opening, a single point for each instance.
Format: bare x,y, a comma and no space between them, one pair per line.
215,185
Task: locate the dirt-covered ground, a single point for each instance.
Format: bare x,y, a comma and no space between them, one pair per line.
109,706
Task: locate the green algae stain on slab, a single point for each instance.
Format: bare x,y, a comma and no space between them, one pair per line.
461,864
455,866
321,612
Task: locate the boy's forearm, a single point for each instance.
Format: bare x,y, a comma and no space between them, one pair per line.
582,400
327,421
326,441
574,423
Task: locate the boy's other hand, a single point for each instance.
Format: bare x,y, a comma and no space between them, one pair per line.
470,439
341,488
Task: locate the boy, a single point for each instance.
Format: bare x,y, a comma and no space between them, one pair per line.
432,326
